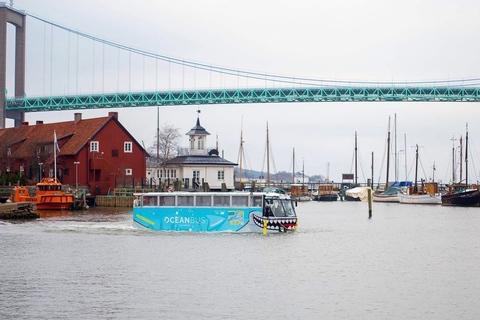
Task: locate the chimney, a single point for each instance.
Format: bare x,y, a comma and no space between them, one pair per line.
25,123
113,114
77,117
39,122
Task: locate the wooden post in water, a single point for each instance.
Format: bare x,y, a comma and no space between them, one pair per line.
369,203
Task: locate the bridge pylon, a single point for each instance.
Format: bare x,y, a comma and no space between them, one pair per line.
18,19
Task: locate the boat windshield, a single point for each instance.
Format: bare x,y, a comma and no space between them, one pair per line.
280,207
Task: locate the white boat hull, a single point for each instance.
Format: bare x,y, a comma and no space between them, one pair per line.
420,198
385,198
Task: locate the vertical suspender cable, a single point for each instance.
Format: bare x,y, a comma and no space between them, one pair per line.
118,70
44,55
93,67
103,68
156,74
129,70
68,65
169,77
76,82
51,60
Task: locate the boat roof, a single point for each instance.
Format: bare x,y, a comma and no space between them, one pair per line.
234,194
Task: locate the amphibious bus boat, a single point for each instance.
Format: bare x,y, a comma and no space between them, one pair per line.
215,212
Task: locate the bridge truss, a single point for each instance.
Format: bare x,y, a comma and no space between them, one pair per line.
238,96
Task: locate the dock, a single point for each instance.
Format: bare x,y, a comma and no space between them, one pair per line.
18,210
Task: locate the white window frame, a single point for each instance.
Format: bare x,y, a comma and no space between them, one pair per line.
201,143
221,174
94,146
128,147
128,172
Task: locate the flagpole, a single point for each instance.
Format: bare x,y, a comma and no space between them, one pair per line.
55,154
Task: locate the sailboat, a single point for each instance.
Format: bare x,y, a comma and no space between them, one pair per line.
461,194
426,194
391,192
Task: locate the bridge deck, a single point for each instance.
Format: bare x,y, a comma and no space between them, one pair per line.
237,96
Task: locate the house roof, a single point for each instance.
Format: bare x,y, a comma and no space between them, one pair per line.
197,130
200,160
71,136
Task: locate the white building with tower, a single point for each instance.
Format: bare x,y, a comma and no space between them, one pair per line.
200,167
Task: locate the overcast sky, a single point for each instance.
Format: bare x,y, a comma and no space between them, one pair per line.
343,39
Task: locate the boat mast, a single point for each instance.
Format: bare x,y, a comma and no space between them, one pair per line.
415,189
453,159
388,152
240,153
303,172
55,147
461,157
372,171
268,159
356,176
158,135
405,148
395,150
466,156
293,174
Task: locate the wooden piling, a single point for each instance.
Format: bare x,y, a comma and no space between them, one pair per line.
370,199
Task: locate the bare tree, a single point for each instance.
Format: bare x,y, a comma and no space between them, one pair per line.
166,145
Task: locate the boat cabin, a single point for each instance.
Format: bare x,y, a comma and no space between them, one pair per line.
271,205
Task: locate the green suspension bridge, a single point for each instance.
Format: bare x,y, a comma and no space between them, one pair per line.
287,89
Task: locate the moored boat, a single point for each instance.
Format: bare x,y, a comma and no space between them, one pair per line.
391,194
357,194
426,193
215,212
461,194
326,192
49,195
462,198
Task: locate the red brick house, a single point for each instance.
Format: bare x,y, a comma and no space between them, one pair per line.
97,153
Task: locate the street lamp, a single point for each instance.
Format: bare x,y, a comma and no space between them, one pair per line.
76,163
40,165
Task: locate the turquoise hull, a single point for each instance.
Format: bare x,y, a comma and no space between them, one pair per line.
245,219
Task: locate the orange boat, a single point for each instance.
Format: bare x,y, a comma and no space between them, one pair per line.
49,195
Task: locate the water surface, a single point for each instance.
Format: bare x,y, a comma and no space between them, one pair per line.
407,262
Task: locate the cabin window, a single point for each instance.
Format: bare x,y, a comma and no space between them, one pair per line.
67,171
221,175
114,153
127,147
174,173
221,201
200,143
186,201
204,201
192,143
168,201
257,201
94,146
150,201
128,172
239,201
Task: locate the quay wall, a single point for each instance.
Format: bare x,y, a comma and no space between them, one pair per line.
114,201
